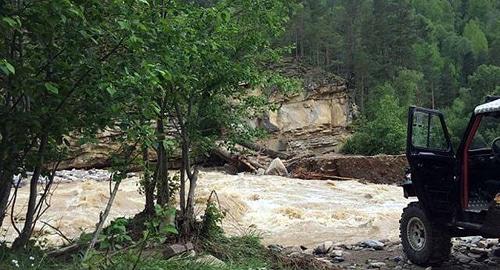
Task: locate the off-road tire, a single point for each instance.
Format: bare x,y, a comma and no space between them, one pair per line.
436,247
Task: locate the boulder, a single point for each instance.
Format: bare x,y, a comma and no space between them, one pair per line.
496,252
276,168
324,248
210,260
275,248
377,265
291,250
375,244
176,249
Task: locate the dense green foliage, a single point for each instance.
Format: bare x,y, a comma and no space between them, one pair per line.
441,54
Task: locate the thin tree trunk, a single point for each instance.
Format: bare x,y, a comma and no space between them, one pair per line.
182,191
6,178
193,180
362,94
432,96
25,235
103,218
149,184
161,165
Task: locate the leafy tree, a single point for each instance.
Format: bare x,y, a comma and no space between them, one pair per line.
473,32
408,86
385,134
55,59
431,63
485,81
457,117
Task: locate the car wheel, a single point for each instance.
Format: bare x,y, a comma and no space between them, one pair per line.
424,243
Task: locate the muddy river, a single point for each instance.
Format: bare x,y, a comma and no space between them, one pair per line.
282,210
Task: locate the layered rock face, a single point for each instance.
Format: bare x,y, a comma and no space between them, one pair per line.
314,120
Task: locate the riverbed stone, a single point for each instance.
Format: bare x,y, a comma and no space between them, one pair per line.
210,260
480,251
176,249
292,249
496,252
375,244
377,265
336,253
275,248
324,248
276,168
491,242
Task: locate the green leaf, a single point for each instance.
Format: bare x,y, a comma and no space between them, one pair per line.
123,24
104,244
11,22
52,88
169,229
111,90
7,68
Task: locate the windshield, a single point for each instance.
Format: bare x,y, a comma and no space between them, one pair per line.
488,131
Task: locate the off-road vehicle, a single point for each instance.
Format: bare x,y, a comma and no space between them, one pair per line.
458,191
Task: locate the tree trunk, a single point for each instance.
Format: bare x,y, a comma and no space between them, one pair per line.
6,178
7,167
161,166
149,184
193,179
182,191
433,100
103,218
25,235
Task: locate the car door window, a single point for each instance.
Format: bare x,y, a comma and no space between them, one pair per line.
487,132
428,132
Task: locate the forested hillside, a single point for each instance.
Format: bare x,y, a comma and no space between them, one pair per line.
442,54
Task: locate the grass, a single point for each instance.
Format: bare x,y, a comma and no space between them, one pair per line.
31,258
238,253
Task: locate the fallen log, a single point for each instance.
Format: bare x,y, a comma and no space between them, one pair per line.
238,161
67,250
266,151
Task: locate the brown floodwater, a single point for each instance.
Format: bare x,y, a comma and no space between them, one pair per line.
281,210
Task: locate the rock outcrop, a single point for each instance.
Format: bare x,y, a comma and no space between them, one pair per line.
312,121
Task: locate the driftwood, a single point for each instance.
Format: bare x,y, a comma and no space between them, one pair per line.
241,163
65,250
340,178
176,249
266,151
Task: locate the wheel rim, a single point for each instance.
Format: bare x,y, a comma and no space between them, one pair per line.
416,233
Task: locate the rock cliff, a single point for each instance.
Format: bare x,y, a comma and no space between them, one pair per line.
315,119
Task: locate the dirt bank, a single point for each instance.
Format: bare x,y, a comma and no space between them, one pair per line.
381,169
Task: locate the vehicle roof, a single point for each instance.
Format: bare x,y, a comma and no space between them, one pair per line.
493,106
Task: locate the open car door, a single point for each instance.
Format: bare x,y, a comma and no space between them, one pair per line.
432,161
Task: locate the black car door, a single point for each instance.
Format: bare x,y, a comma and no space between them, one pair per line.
431,160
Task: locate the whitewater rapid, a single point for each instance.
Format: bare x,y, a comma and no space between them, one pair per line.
281,210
